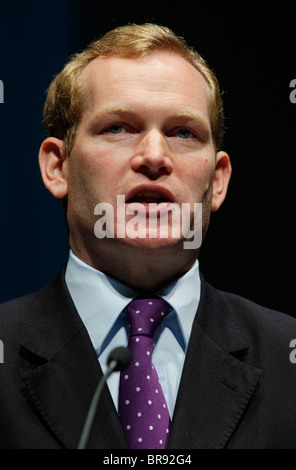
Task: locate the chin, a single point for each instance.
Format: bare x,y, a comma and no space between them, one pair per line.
149,243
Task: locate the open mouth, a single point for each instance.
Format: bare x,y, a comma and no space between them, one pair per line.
150,196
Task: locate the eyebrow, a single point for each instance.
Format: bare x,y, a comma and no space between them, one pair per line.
112,110
191,116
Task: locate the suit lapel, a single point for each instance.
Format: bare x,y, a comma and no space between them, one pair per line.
215,386
60,389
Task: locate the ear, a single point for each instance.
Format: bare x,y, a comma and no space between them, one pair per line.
52,159
221,179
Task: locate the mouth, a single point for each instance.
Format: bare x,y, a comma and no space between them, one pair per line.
156,195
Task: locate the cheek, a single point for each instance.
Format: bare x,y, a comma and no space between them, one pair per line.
198,176
95,176
208,170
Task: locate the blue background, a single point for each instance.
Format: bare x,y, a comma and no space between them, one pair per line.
250,245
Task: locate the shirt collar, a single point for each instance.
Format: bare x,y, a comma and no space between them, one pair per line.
99,299
183,295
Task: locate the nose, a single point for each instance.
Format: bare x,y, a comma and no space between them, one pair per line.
152,156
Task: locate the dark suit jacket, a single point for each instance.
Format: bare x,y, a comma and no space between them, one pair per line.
238,387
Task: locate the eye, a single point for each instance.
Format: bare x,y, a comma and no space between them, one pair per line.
115,128
184,133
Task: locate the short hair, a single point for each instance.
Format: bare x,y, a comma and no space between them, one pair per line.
64,103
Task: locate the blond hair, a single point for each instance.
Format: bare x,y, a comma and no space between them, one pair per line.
64,102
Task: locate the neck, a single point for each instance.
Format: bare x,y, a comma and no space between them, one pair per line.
143,269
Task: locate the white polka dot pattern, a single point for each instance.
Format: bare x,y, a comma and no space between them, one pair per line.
142,406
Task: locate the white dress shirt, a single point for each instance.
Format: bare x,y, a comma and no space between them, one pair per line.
100,301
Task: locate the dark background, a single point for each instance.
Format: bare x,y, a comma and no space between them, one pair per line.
250,245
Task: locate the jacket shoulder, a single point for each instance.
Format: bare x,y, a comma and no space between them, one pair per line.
252,313
15,313
266,331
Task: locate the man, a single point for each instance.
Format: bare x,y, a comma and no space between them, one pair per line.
139,115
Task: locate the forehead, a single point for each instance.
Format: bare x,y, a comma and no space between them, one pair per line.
162,79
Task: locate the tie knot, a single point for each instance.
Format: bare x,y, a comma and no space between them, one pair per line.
145,315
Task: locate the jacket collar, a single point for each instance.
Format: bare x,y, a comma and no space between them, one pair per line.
216,384
62,385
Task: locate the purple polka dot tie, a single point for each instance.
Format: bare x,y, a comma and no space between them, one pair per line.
142,407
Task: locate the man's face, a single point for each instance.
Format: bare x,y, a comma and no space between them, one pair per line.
144,134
